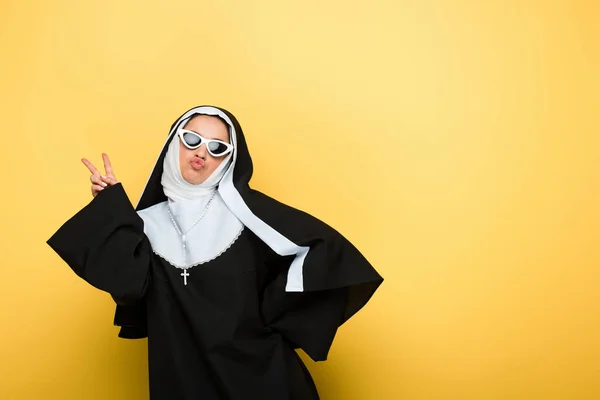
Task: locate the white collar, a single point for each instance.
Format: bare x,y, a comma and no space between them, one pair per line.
209,238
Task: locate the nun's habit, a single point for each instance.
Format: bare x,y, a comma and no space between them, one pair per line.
223,315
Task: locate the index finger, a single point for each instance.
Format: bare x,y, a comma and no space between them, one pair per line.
107,165
90,166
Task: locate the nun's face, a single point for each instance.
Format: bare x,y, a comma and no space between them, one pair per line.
198,164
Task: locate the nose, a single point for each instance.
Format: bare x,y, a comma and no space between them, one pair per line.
202,152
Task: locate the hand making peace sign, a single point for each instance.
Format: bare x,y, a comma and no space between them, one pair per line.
99,181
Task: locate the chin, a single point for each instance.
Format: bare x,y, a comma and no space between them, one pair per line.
194,180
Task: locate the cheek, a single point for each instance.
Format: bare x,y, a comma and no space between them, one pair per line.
183,155
215,162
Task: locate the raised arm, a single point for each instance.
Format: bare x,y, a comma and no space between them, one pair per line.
104,243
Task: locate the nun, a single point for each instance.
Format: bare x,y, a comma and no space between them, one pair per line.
224,281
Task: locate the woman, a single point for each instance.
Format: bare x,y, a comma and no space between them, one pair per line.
223,280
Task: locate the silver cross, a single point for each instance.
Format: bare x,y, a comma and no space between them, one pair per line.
185,275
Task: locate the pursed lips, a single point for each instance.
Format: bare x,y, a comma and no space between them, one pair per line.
198,163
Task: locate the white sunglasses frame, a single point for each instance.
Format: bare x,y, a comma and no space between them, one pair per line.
203,140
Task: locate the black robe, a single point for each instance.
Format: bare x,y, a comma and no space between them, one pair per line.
230,333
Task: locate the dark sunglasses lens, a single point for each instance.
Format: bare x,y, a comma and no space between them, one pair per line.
190,139
217,148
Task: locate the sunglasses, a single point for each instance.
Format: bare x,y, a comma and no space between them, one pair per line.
192,140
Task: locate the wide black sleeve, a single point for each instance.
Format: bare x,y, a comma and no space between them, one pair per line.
338,281
104,243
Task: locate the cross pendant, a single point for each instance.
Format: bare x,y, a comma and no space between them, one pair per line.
185,275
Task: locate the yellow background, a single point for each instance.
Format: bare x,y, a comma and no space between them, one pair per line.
456,143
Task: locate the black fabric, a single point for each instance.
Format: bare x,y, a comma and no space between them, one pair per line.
208,339
231,332
105,245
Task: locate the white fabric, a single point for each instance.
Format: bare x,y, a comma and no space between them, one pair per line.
211,237
234,202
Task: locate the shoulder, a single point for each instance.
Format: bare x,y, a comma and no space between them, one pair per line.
292,222
154,213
